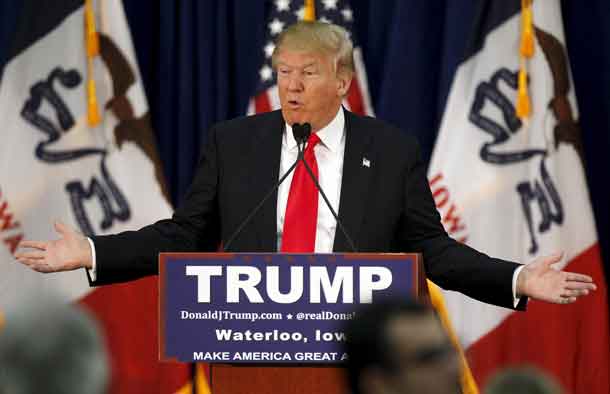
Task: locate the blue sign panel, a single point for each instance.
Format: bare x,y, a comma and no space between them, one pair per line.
271,308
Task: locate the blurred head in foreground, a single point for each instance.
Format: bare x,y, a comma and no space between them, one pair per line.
399,346
522,380
51,348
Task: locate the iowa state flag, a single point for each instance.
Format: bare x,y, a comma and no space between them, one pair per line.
76,145
516,189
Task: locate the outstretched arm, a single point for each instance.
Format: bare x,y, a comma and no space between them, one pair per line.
133,254
456,266
71,251
541,281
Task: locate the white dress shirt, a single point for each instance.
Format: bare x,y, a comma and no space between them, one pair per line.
329,156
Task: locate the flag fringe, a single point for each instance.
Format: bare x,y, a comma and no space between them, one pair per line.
469,385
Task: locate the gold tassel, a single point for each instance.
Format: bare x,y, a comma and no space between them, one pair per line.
91,38
526,51
93,49
469,385
523,99
93,114
527,29
310,11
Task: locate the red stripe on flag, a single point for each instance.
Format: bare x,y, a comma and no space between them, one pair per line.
128,314
354,97
261,103
569,341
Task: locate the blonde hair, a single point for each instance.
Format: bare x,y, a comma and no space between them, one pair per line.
317,37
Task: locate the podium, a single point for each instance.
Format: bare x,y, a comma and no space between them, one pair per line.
269,377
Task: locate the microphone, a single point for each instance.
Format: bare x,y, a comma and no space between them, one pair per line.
301,134
304,133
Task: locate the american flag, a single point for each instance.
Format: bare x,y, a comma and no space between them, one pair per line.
283,14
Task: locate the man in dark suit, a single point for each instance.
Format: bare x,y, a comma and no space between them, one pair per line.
372,172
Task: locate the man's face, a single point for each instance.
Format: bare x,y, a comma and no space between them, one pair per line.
309,88
424,360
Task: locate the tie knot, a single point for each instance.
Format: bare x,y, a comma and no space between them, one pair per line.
312,141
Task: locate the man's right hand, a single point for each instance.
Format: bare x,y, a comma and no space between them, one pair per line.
70,252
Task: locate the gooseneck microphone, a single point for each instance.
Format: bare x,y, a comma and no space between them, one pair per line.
301,133
298,132
301,136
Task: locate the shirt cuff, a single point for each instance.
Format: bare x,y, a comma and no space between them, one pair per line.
93,272
515,276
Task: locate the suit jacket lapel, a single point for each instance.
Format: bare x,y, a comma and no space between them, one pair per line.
354,183
265,173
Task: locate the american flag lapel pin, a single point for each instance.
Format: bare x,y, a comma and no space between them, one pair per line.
366,162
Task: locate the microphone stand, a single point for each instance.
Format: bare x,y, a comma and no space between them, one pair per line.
298,132
301,135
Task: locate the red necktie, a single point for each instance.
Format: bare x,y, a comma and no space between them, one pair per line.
299,235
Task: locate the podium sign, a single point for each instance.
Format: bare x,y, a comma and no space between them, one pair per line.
270,308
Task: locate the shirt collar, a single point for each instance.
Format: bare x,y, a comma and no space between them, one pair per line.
330,135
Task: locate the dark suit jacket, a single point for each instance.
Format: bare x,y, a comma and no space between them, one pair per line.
386,207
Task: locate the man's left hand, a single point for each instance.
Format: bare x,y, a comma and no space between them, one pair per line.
541,281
